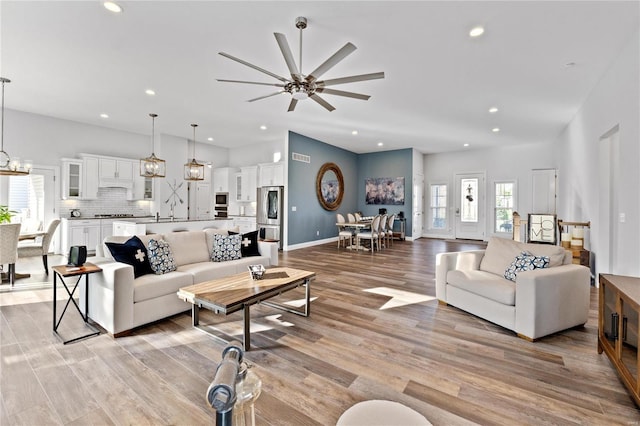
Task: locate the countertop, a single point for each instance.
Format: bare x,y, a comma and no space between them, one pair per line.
129,219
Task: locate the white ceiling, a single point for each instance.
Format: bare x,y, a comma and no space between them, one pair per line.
75,60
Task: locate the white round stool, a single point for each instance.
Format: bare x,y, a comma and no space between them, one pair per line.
381,413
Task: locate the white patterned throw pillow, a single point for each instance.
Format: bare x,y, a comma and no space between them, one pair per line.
160,257
226,248
525,261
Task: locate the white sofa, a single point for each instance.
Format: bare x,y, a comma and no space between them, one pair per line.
538,303
119,302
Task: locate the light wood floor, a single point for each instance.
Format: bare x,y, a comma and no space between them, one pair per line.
375,332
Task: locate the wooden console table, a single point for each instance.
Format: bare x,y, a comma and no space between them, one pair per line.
618,325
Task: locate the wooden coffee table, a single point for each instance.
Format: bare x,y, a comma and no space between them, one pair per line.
230,294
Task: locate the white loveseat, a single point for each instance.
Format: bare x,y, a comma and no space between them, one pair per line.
538,303
119,302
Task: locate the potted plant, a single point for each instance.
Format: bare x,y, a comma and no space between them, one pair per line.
5,214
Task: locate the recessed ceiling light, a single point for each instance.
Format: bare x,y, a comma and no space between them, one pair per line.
466,144
210,139
103,115
263,127
476,32
150,92
493,110
570,64
495,129
380,144
112,6
355,132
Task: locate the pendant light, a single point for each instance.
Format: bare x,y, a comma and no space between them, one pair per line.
193,170
9,167
152,166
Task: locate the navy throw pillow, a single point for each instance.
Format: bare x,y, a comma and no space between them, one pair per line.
134,253
248,243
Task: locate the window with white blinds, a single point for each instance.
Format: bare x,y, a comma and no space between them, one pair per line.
26,198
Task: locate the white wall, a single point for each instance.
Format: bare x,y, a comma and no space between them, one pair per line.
257,153
614,101
507,163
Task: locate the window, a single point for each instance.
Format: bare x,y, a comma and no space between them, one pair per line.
26,198
438,206
469,200
503,209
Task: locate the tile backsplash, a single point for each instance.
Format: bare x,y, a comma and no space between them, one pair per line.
109,201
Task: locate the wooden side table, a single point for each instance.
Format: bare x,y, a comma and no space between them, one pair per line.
61,272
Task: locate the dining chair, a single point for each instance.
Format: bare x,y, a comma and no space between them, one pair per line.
371,234
343,233
351,218
382,232
9,235
390,223
358,216
41,247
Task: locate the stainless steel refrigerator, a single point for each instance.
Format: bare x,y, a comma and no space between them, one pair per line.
270,213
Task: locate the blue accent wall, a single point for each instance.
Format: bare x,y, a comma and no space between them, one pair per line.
387,164
310,218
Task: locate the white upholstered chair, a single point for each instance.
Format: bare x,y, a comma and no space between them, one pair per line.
370,234
344,234
382,232
390,222
351,217
9,235
40,247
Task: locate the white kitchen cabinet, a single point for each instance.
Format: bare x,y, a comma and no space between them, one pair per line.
72,178
247,183
116,172
106,228
80,233
127,228
90,178
271,174
245,224
142,189
222,178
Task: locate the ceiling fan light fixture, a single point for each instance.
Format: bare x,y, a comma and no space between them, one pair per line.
300,95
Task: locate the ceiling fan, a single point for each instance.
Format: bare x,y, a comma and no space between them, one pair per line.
301,86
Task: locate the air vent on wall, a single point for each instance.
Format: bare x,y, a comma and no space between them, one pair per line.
300,157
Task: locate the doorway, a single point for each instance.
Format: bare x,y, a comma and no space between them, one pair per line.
469,206
609,182
33,198
418,202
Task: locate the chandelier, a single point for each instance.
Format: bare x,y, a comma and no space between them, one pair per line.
193,170
8,166
152,166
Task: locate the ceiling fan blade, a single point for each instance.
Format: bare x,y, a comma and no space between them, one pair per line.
266,96
322,102
345,51
292,105
350,79
288,56
342,93
250,82
255,67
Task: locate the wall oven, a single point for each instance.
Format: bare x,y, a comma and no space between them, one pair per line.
221,205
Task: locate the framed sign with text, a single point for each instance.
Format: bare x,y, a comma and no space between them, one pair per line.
542,228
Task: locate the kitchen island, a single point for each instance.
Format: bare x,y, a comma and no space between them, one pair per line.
166,225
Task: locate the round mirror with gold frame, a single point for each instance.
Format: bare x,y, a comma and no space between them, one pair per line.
330,186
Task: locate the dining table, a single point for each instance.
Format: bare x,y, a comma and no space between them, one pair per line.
358,225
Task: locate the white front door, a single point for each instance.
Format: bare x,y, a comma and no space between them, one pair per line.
469,206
